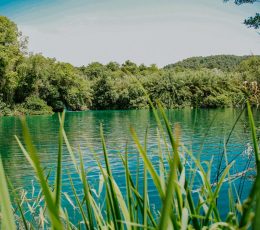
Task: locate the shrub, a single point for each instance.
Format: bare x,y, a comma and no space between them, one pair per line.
220,101
36,106
5,110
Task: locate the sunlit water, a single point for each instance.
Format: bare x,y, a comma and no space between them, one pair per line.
204,132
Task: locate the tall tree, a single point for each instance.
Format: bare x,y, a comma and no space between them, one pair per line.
10,55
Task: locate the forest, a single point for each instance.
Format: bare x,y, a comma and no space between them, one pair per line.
34,84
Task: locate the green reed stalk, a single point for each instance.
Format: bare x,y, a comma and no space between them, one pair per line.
254,194
35,161
7,218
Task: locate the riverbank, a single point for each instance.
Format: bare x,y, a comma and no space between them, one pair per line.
20,111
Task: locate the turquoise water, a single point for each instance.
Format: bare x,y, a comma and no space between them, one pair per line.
203,131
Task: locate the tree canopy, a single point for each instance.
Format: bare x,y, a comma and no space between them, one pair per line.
221,62
34,84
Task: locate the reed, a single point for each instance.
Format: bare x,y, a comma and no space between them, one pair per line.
181,206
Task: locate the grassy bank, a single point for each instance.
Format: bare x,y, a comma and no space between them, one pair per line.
181,206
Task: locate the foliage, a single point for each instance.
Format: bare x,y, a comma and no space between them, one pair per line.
253,21
239,2
36,106
214,81
217,102
111,92
221,62
10,56
59,84
24,77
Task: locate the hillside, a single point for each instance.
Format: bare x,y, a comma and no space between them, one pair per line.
222,62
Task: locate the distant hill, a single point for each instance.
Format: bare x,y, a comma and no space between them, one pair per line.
222,62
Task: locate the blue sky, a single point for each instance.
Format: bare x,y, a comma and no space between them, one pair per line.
145,31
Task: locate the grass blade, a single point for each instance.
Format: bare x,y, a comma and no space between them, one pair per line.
177,159
8,221
215,194
17,201
111,186
59,164
87,192
254,194
168,201
148,163
35,161
145,194
128,186
79,203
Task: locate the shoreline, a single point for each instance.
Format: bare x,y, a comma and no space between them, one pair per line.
38,113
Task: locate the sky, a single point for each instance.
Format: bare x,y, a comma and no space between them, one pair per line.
144,31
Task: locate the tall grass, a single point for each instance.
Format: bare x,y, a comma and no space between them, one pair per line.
181,207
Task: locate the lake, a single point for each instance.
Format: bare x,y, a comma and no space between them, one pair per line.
203,131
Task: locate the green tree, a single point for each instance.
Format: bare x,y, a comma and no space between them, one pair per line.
93,70
129,67
104,92
59,84
222,62
113,66
253,21
10,56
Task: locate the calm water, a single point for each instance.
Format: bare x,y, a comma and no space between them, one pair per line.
203,131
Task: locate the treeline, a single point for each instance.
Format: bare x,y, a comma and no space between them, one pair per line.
221,62
34,84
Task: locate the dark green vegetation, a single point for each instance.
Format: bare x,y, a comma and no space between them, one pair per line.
179,207
33,84
225,63
253,21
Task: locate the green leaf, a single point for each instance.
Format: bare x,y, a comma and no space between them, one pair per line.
35,161
8,221
59,164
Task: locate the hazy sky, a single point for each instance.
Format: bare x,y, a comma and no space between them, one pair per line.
145,31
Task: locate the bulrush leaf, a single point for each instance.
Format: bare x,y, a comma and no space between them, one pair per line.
85,221
145,194
59,164
215,195
148,163
7,218
18,203
87,192
184,219
255,191
35,161
176,156
111,191
168,200
161,162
